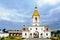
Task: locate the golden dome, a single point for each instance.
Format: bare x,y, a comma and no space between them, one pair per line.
35,13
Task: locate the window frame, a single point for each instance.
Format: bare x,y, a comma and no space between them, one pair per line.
30,33
46,34
30,28
25,34
36,28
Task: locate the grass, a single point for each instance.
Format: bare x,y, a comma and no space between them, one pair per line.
11,38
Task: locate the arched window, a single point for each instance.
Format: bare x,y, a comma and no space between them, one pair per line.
46,34
25,34
47,29
30,28
36,18
36,28
30,33
41,34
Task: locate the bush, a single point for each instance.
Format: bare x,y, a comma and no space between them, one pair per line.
11,38
2,38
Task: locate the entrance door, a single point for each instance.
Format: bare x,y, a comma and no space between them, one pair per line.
36,34
41,35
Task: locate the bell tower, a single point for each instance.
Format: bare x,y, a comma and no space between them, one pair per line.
35,17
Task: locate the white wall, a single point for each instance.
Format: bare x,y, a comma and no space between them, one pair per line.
38,29
33,30
49,35
37,18
4,34
25,36
34,21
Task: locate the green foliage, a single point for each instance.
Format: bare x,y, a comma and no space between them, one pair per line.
55,33
2,38
11,38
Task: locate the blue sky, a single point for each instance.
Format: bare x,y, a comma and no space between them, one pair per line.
15,13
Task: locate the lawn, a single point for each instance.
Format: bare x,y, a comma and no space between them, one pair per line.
11,38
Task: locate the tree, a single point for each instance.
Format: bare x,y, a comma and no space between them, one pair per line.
58,31
0,29
4,30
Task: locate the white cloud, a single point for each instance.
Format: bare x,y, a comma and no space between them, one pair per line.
49,2
12,15
54,11
49,17
52,15
51,12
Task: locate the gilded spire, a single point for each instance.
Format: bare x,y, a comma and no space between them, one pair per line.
36,13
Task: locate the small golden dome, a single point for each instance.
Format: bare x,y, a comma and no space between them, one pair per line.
35,13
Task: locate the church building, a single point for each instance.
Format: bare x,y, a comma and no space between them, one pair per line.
36,30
